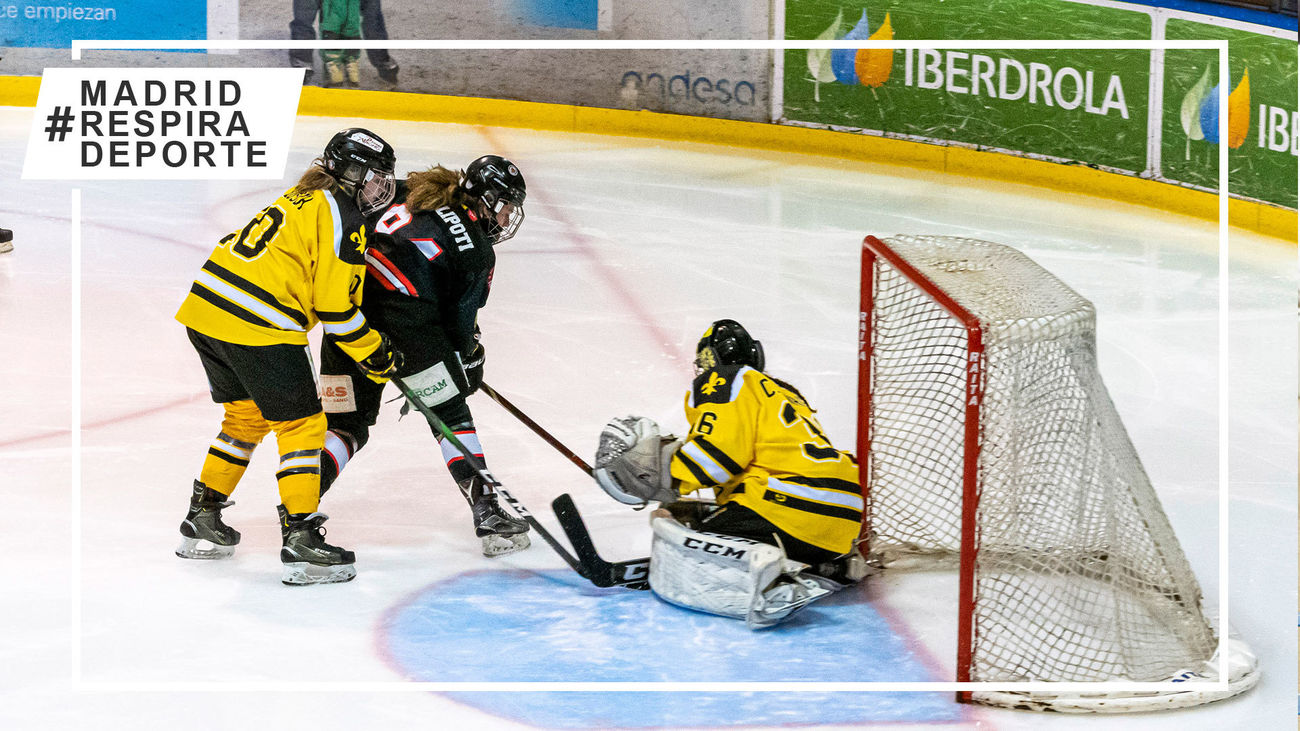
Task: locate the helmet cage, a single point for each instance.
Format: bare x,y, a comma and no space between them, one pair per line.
503,208
499,189
362,163
376,191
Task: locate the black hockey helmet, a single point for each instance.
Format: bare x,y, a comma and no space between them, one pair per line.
499,188
363,164
726,342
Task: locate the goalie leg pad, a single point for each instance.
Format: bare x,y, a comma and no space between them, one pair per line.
727,575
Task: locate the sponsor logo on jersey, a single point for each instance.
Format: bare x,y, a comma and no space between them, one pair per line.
433,385
431,390
337,395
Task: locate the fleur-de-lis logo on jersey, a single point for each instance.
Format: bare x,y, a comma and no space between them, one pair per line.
714,381
359,238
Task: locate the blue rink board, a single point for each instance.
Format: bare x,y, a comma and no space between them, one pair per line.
516,626
174,20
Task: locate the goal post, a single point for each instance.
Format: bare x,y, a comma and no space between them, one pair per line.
990,443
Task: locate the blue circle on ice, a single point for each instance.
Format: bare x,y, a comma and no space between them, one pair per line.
513,626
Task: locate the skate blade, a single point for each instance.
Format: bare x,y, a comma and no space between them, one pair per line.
302,573
202,549
499,545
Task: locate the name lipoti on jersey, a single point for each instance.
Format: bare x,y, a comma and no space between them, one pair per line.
456,227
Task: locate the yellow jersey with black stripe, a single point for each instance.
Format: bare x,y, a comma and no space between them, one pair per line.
758,444
300,261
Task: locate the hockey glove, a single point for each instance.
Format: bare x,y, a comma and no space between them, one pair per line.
473,365
382,364
632,462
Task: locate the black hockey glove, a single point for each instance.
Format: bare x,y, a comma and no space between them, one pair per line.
473,364
382,364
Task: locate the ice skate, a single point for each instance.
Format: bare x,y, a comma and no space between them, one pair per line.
787,595
500,533
307,558
204,534
846,570
7,236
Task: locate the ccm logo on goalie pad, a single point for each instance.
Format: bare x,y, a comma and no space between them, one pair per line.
336,394
718,549
433,385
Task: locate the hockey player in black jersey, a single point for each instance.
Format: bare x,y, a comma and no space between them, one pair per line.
427,275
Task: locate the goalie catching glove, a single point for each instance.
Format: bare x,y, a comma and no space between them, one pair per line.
632,461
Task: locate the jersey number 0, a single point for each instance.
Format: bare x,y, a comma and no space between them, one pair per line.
258,234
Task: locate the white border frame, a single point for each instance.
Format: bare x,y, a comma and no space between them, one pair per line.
774,45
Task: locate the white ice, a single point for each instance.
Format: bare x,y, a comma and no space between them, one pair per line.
629,249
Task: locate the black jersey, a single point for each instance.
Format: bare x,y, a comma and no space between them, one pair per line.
427,271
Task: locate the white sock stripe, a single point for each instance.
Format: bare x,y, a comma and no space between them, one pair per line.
237,443
290,462
338,449
222,445
450,453
471,440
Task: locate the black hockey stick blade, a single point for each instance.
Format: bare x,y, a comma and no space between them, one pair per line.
473,461
521,511
633,574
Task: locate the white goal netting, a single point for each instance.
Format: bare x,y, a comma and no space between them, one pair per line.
983,394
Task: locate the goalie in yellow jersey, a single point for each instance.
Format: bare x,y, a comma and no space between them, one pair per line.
300,261
787,513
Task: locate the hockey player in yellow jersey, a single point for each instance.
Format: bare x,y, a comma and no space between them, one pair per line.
786,508
300,261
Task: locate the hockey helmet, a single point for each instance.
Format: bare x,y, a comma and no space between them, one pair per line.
499,188
363,164
726,342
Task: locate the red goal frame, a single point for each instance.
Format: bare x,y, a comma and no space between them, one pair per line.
873,249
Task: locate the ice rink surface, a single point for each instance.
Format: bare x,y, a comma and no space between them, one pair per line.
630,248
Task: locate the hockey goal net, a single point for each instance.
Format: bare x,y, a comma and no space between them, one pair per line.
992,443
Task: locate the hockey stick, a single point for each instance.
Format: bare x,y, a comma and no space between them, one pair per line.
537,429
631,574
482,470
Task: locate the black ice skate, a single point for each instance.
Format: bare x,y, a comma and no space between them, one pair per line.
204,534
307,558
501,533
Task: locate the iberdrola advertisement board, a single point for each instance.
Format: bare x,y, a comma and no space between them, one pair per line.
1082,106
